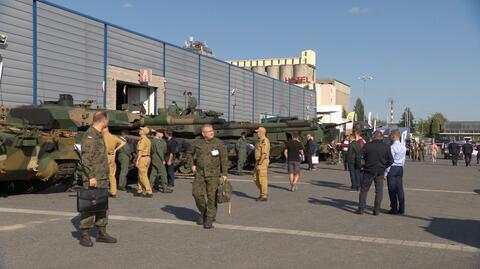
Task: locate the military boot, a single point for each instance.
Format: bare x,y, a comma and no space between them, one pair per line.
201,219
208,224
85,238
103,236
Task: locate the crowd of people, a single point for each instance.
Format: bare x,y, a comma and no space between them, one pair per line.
368,163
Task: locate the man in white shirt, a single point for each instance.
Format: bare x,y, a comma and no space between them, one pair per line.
394,175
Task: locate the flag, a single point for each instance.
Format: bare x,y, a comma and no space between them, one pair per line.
103,87
125,89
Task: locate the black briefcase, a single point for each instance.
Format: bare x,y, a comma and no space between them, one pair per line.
92,200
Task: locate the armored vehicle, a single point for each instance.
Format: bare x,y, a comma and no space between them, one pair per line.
31,160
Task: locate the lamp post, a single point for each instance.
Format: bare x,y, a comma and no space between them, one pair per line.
365,78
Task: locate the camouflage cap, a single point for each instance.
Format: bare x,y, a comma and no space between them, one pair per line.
260,130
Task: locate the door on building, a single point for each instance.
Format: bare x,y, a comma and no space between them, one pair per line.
139,98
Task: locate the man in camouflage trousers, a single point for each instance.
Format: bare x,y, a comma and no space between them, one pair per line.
95,167
208,158
241,148
158,170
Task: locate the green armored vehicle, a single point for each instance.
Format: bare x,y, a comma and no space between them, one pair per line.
64,115
31,160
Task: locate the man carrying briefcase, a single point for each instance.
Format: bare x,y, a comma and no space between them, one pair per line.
95,165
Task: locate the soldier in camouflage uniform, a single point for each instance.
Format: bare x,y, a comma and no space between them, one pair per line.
95,167
208,158
241,148
124,157
158,171
191,104
173,109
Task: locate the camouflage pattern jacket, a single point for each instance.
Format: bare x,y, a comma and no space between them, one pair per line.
210,157
94,155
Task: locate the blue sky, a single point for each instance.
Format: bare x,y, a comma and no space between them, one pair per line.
424,54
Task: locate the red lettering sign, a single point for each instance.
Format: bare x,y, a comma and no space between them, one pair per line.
297,80
145,75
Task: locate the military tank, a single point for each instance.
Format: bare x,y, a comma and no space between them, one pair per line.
64,115
32,160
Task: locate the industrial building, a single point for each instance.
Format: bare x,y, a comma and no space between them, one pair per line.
53,50
459,130
332,95
296,70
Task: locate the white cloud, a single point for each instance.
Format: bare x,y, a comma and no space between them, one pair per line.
127,5
358,10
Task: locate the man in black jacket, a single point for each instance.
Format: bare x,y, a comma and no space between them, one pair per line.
454,150
377,157
467,152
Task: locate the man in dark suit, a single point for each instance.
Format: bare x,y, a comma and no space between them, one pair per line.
467,152
454,150
377,157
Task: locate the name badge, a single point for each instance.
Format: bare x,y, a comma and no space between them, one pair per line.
215,152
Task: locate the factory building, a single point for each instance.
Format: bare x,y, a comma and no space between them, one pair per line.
53,50
332,96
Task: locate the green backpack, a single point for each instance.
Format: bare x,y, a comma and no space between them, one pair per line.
224,192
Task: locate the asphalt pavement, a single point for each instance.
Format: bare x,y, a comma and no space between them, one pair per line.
314,227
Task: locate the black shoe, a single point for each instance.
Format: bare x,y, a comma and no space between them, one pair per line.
393,212
376,212
137,194
401,212
208,224
359,212
148,195
167,190
122,189
112,195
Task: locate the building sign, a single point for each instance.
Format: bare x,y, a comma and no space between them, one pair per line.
297,80
145,75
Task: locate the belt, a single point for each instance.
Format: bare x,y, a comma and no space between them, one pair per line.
111,153
145,156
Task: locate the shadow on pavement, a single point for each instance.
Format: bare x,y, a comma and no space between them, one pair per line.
243,195
76,225
477,191
330,184
182,213
463,231
342,204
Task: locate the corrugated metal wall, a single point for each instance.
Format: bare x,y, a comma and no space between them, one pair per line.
242,82
70,55
71,59
132,51
16,23
181,73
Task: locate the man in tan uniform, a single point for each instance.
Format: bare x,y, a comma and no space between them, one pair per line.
262,159
112,144
143,163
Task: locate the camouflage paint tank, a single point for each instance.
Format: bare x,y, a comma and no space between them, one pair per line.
31,160
63,115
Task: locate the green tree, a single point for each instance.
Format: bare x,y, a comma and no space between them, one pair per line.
359,110
435,124
344,113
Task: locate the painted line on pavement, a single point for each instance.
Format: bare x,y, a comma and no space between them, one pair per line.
14,227
407,189
368,239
